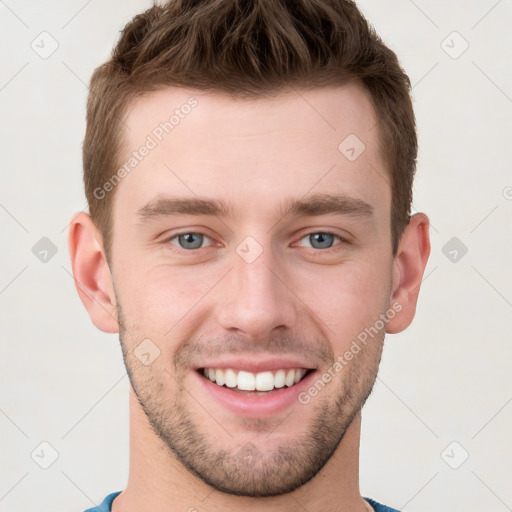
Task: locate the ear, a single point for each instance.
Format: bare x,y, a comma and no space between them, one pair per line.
93,279
408,267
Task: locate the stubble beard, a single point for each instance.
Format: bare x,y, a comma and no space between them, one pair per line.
251,469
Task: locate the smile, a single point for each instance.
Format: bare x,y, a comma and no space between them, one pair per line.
245,381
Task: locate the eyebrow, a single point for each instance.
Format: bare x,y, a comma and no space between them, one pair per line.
167,206
314,205
324,204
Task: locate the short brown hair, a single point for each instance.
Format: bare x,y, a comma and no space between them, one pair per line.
249,48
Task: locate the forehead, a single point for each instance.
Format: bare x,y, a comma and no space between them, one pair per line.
209,144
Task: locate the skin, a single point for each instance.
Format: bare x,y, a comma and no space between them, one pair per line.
293,299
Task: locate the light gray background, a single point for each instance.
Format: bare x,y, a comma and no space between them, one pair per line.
445,379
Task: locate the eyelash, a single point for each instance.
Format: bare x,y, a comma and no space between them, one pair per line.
341,240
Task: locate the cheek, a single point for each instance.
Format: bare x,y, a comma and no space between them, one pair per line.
350,298
155,300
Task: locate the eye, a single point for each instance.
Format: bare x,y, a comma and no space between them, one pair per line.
321,240
189,240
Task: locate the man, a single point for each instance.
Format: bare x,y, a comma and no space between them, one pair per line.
249,167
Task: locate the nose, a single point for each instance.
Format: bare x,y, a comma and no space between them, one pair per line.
256,298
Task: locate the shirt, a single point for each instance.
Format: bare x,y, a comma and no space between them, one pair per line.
106,505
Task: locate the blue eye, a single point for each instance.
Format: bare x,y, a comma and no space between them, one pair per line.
189,240
321,240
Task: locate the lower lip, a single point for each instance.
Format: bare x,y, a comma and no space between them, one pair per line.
255,406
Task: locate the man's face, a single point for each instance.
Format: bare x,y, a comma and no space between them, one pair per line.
252,288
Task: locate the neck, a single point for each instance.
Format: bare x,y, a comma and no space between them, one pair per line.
158,481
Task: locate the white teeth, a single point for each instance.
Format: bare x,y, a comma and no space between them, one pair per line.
279,378
219,377
230,378
290,378
248,381
264,381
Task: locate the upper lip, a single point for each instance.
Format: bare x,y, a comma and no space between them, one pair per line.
255,366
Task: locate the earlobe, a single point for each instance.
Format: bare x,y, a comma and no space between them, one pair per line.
408,268
92,276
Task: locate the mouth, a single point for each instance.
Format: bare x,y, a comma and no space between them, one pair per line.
254,387
255,384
